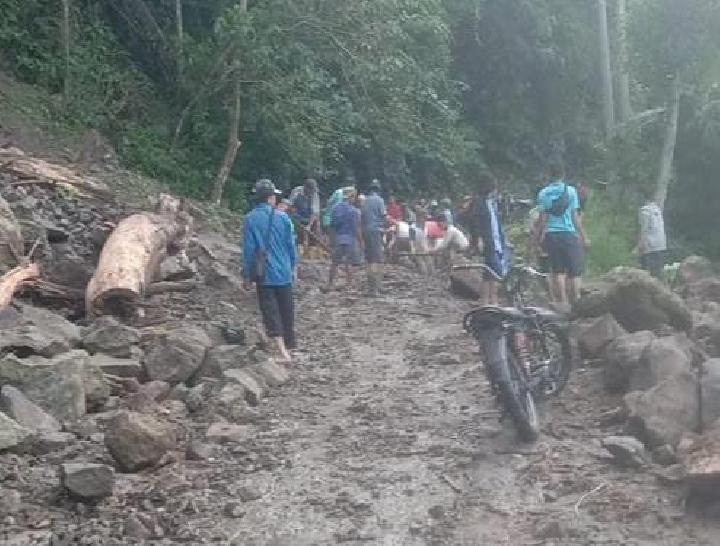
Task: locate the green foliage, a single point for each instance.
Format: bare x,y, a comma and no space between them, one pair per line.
611,225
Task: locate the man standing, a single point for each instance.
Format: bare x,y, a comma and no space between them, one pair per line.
348,237
269,257
306,205
652,241
563,236
374,218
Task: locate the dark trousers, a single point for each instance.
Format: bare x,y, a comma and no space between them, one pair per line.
278,312
654,263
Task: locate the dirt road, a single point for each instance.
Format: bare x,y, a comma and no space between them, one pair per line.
391,437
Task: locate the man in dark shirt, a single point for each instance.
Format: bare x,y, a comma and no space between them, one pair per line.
374,218
347,240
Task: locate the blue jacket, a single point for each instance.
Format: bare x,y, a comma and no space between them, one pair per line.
281,252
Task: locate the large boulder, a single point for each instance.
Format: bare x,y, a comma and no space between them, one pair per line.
636,300
706,330
137,441
224,357
663,357
50,322
252,384
57,385
16,405
596,335
11,433
107,335
272,373
119,367
701,292
671,409
175,356
88,481
27,340
622,358
693,269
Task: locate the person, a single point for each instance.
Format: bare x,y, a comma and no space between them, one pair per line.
348,237
453,238
269,230
446,206
492,234
374,217
306,210
394,209
563,236
652,240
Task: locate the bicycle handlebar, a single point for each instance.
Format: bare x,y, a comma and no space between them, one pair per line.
531,271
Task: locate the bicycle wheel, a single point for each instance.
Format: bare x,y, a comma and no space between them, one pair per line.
555,346
517,396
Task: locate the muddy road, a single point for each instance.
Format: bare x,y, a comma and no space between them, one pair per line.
390,436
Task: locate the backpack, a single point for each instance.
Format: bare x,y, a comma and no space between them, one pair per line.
560,204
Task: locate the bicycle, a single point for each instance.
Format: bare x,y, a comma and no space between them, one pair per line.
526,349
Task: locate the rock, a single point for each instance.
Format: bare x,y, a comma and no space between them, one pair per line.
177,268
197,398
227,432
156,390
550,530
17,406
706,330
662,358
141,402
198,451
107,335
218,276
598,334
233,509
88,481
43,443
233,334
224,357
248,493
69,270
466,284
137,441
177,355
10,501
11,433
119,367
669,410
272,373
622,358
664,455
179,392
96,390
57,385
50,322
134,528
254,390
29,340
231,394
703,291
626,451
693,269
702,465
636,300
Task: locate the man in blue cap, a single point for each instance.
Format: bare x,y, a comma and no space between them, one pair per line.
269,258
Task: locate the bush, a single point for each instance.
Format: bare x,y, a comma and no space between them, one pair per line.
611,226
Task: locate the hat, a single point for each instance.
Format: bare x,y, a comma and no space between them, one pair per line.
446,202
375,185
264,188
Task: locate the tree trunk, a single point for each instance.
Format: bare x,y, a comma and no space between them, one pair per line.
12,245
608,106
13,280
233,145
65,39
668,151
130,259
179,26
624,105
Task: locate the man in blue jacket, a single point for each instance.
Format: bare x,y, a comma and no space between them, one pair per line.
270,230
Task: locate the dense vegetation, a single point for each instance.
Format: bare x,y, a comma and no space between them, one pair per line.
420,93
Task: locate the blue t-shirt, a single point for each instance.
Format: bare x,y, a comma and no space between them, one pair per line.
280,249
564,223
345,220
373,213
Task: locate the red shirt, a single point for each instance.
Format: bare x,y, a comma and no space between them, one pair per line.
395,211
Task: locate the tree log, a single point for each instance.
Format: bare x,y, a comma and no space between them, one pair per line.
31,170
130,259
165,287
12,244
13,280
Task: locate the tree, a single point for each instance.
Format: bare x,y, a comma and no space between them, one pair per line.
65,40
623,87
607,81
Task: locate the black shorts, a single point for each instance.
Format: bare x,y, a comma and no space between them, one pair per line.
566,253
374,247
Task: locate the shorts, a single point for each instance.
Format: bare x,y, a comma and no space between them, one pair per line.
346,254
654,263
374,247
566,254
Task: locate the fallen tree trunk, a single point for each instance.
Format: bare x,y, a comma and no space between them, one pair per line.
31,170
12,244
130,259
13,280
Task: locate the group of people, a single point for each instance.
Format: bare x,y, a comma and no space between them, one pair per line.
354,228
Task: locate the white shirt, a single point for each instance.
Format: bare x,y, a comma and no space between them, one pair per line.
652,229
454,238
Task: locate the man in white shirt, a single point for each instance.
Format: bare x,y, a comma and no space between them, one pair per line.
652,241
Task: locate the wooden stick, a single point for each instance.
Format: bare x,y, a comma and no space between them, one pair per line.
14,279
586,495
